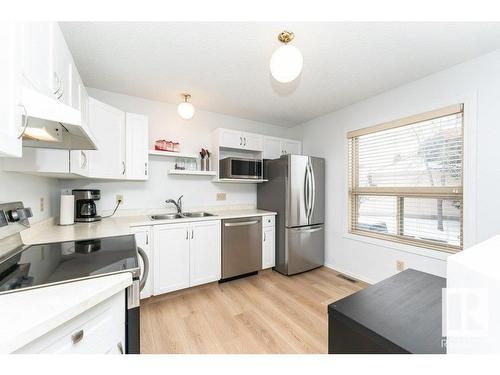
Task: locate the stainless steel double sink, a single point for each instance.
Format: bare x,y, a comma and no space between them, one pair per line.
184,215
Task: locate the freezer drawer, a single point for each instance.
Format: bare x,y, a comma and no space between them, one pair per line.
304,248
241,246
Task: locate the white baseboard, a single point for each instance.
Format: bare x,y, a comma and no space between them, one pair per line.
350,274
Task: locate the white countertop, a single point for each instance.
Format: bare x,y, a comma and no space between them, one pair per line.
48,231
29,314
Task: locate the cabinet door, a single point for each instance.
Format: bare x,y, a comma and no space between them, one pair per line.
230,138
61,65
10,110
252,142
291,147
205,252
137,140
272,148
108,126
268,247
143,239
36,47
171,257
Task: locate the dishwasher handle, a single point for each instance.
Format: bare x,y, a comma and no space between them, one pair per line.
241,223
145,273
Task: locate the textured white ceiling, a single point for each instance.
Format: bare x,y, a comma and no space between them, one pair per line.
225,66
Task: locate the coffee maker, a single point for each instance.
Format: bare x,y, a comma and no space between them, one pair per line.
85,208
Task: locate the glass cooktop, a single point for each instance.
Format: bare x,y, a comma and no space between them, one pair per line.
40,265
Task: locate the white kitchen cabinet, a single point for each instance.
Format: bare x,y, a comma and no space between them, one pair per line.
205,252
275,147
61,64
11,118
36,55
108,126
171,257
268,242
137,140
186,254
291,147
272,148
239,140
143,237
99,330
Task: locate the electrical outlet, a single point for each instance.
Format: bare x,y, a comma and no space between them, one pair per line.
119,198
221,196
42,205
400,265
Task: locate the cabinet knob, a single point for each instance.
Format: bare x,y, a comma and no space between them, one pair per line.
77,336
120,347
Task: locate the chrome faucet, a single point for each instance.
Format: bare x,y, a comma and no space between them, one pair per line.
177,204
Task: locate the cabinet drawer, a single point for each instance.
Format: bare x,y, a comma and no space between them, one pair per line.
99,330
268,221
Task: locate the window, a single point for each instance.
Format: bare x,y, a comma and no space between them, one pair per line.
405,180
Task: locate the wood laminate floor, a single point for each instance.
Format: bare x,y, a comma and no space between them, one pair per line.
266,313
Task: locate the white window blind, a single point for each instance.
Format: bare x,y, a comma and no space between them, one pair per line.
406,180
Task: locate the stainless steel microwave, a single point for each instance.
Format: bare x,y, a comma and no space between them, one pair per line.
240,168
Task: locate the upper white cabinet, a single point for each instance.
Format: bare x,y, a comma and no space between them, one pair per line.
61,64
108,126
186,254
137,139
36,55
238,140
275,147
11,110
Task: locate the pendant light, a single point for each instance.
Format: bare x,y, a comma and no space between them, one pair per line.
186,109
286,62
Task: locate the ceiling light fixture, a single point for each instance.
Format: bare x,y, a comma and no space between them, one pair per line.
286,62
186,109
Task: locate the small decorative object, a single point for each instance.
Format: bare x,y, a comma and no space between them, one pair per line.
205,160
163,145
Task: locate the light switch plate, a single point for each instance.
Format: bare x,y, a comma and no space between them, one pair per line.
221,196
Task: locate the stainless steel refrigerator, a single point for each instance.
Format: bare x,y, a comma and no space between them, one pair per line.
296,191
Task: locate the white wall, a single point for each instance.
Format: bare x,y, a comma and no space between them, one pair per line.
29,190
165,123
476,81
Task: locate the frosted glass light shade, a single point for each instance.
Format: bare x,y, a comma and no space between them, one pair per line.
286,63
185,110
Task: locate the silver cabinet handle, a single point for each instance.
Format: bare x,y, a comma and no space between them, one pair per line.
264,236
241,141
120,347
145,273
241,223
187,233
147,238
77,336
123,167
84,163
192,233
245,138
61,92
25,122
58,80
145,169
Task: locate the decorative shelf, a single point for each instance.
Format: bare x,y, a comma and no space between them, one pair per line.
173,154
192,173
239,181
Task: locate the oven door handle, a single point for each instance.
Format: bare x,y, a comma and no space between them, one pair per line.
145,273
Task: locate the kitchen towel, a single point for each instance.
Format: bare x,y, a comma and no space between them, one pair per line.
67,211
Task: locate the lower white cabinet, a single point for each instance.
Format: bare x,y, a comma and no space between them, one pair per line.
144,240
268,242
186,254
99,330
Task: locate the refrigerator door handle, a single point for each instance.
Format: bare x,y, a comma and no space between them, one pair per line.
306,191
313,190
308,229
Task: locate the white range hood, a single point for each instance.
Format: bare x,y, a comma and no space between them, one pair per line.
52,124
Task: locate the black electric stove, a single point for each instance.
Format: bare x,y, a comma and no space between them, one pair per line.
44,264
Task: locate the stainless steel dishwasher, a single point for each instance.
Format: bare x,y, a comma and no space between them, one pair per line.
241,247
